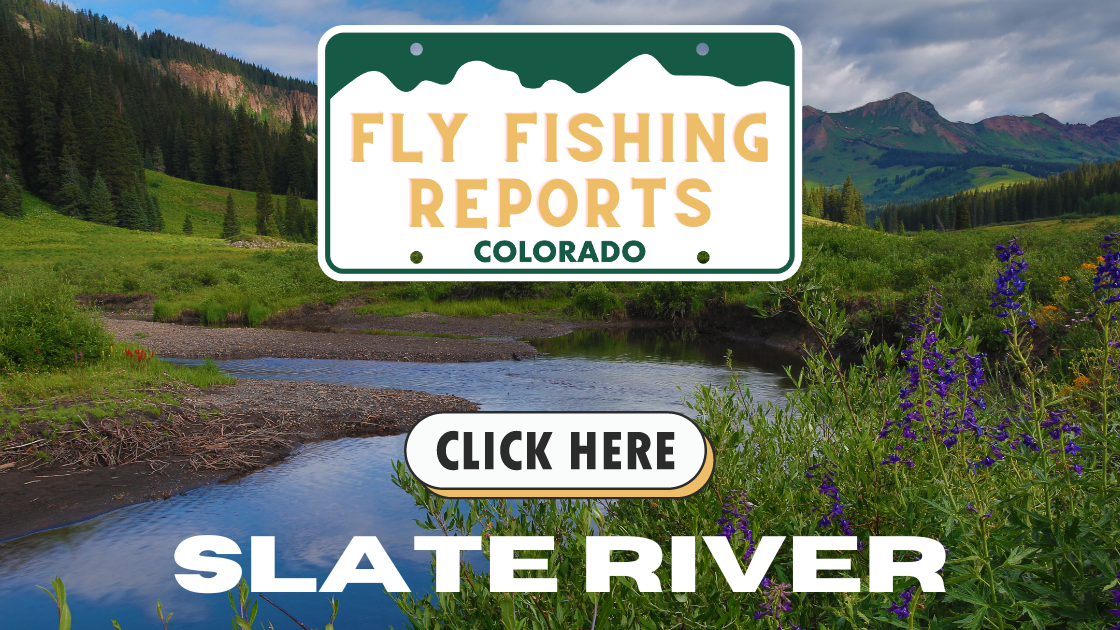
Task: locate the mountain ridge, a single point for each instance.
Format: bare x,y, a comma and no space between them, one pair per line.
904,121
901,149
231,80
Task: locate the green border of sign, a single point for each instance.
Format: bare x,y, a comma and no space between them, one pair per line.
578,56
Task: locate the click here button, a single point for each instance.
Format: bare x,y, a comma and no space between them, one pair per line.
559,454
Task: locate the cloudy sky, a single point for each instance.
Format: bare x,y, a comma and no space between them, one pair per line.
970,58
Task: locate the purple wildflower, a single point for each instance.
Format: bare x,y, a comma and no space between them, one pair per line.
902,608
828,488
1029,442
1115,600
775,601
1009,283
735,519
926,364
1107,276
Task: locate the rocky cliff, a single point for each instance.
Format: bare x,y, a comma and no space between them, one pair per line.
264,100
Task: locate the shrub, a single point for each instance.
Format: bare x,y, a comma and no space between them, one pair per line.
594,300
11,198
164,312
1011,466
41,325
669,301
255,314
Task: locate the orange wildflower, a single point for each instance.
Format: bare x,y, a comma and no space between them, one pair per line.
1088,266
1063,278
1081,381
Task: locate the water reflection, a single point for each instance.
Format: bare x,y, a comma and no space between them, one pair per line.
117,565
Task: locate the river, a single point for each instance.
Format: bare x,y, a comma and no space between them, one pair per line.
117,565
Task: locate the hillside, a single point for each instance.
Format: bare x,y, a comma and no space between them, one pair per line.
207,205
82,97
892,147
231,80
266,101
199,272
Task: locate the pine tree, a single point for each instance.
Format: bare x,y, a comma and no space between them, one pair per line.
11,198
114,154
812,200
264,202
245,153
147,206
310,226
852,211
222,166
879,225
293,217
195,166
295,154
101,202
963,219
188,227
157,216
230,226
270,228
71,199
71,149
832,205
131,216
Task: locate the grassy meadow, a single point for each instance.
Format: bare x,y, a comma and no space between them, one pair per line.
1013,467
205,204
991,178
879,273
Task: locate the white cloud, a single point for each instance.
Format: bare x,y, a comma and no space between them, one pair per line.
970,58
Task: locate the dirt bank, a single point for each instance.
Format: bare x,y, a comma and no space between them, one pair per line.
326,318
113,462
196,342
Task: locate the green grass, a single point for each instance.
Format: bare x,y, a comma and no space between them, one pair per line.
206,205
183,272
116,373
991,178
481,307
223,283
110,387
401,333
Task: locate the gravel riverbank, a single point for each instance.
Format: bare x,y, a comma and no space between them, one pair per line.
197,342
207,437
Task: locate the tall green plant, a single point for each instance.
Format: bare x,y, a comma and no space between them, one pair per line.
58,594
1008,463
41,326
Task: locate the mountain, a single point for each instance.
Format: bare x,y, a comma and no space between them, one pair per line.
265,100
84,101
885,144
232,80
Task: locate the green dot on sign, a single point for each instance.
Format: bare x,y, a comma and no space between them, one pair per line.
703,258
416,257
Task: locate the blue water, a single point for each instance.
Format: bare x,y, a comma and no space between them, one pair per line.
117,565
